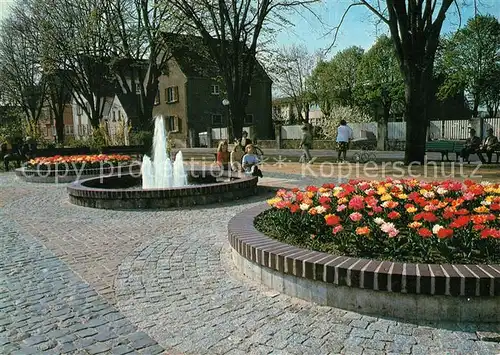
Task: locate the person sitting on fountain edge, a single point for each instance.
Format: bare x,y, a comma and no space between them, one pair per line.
236,157
223,155
250,162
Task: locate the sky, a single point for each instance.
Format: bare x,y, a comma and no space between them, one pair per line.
358,28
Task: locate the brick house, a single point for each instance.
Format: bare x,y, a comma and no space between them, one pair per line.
191,94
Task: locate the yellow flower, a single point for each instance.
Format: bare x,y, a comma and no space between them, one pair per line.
273,201
310,194
415,225
482,209
411,210
386,197
381,190
403,196
343,200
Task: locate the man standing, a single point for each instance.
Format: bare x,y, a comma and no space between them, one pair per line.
344,136
306,144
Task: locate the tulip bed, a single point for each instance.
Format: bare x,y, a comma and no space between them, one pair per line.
395,220
78,161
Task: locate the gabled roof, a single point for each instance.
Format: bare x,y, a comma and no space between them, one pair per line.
193,56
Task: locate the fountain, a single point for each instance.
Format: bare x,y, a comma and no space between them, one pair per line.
162,183
160,172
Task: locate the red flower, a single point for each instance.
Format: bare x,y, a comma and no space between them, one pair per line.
445,233
425,233
332,220
393,215
495,207
324,200
294,208
357,203
460,222
478,227
312,189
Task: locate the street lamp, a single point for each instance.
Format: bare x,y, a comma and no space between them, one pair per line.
226,103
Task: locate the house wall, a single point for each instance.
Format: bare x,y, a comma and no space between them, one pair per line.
175,78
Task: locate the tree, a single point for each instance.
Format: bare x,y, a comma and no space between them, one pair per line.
58,96
344,75
380,84
415,26
469,59
138,50
231,30
333,82
75,45
20,68
291,70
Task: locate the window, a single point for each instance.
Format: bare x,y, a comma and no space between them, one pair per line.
249,91
68,129
78,110
172,94
120,115
173,124
217,120
215,89
114,116
248,119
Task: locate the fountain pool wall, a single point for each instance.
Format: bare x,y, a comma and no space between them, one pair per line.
123,192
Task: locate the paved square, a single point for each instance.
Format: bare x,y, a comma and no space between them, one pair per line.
75,280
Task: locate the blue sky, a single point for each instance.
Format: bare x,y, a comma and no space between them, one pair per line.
359,27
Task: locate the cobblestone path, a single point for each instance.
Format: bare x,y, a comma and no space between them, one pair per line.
70,276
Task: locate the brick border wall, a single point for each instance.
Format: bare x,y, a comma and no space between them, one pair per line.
80,194
425,279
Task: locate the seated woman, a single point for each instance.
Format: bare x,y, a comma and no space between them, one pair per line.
236,157
223,155
250,162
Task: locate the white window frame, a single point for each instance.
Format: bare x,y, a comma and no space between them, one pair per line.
249,91
172,94
215,90
176,123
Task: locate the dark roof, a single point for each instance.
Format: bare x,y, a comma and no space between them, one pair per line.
194,57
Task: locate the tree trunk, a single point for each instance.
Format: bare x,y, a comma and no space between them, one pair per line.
237,117
417,89
59,122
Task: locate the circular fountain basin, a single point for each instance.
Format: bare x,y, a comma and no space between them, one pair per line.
123,192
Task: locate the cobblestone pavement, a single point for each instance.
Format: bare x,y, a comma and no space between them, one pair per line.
174,280
45,309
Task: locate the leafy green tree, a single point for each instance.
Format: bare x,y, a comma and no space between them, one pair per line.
469,59
380,84
333,82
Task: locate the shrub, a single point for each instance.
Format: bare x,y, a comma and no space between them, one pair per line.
406,221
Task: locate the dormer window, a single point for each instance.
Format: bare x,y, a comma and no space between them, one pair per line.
215,89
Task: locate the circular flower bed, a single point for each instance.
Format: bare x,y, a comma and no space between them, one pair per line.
395,220
78,161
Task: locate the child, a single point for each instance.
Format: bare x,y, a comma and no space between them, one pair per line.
236,157
223,155
250,162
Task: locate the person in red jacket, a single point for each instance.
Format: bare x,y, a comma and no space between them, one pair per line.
223,155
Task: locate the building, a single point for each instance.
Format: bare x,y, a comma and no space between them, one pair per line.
191,96
286,112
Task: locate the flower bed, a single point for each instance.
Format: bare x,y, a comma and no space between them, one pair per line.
78,161
394,220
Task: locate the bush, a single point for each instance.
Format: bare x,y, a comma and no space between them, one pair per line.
144,138
406,221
